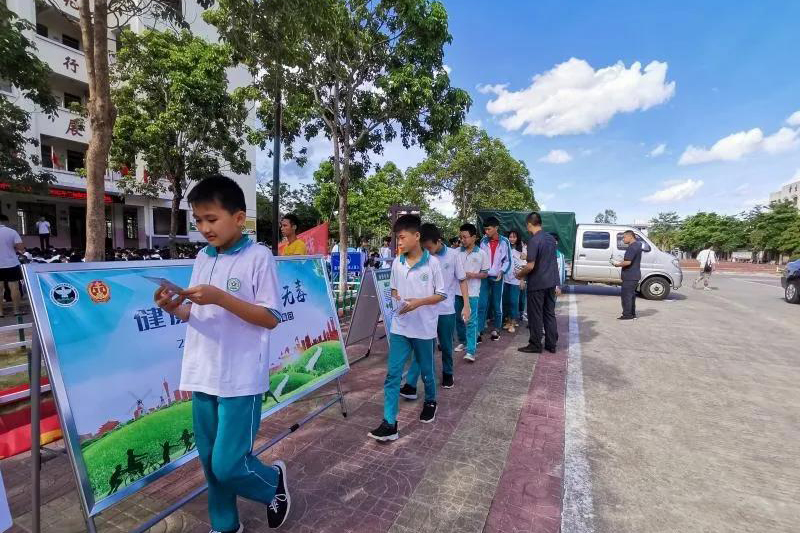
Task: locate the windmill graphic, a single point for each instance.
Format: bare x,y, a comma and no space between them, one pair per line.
138,408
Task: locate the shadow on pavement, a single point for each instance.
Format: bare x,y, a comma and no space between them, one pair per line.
645,313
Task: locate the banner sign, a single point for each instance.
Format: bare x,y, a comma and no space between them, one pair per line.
355,262
114,359
384,288
5,513
316,240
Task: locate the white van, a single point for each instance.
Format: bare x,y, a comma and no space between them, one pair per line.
596,245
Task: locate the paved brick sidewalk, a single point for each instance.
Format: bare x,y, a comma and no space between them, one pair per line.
492,461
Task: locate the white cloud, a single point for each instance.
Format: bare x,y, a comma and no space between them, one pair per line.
565,185
574,98
730,148
783,140
754,202
447,69
444,204
675,192
545,196
744,187
556,157
477,123
658,150
793,179
737,145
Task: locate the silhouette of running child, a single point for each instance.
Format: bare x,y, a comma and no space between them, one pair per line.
165,452
186,438
134,465
115,480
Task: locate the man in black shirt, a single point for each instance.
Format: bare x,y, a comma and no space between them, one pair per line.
542,278
631,274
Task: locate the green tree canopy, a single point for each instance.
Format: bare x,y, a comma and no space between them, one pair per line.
664,229
478,171
20,67
609,216
175,114
771,227
725,233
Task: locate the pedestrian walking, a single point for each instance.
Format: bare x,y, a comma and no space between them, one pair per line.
498,249
511,287
631,274
541,272
475,264
708,261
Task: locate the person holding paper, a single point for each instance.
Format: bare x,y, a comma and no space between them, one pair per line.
233,302
631,274
455,282
416,279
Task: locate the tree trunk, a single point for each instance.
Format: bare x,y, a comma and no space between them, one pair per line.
177,196
94,32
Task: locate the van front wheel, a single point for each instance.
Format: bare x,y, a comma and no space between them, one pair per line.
655,289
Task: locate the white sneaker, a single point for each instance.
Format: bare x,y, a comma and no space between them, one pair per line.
460,348
470,357
707,288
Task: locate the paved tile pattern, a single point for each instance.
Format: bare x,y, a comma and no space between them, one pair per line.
341,480
528,498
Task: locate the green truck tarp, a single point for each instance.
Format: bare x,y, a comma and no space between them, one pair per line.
558,222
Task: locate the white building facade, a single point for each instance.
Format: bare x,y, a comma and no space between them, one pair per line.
132,221
790,191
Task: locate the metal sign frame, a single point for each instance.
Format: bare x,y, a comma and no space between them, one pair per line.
45,340
371,275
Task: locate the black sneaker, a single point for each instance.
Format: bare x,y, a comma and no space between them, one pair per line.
530,349
447,381
384,432
408,392
278,508
480,339
428,413
495,336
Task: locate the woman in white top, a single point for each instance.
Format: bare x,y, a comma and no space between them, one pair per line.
511,285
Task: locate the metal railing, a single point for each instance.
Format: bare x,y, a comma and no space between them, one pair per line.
20,327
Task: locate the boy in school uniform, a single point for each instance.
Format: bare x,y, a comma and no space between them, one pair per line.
231,308
498,249
475,264
455,283
417,287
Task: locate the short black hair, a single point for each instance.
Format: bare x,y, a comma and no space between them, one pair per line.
534,219
292,218
220,189
492,221
469,228
407,223
3,217
630,232
430,233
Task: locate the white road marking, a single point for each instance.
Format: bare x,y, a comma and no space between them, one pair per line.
578,507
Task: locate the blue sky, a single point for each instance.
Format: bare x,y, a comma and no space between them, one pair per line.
639,107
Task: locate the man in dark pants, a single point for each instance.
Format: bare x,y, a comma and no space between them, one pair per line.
631,274
541,272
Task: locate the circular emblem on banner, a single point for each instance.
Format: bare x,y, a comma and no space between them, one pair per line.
98,292
234,284
64,295
424,277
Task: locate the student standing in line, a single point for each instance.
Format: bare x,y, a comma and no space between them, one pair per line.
542,274
631,274
417,287
294,246
498,249
455,283
43,228
386,253
232,306
512,284
475,263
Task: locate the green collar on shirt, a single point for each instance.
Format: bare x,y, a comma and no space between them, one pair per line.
422,260
442,251
475,249
240,245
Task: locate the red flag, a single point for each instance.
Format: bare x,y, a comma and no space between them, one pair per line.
316,240
56,161
124,170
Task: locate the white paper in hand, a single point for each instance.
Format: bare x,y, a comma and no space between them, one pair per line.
164,282
398,304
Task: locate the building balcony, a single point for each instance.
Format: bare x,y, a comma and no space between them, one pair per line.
65,126
62,59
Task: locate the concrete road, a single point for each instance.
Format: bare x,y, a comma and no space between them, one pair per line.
691,414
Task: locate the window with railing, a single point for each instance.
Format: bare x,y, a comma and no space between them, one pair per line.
131,225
